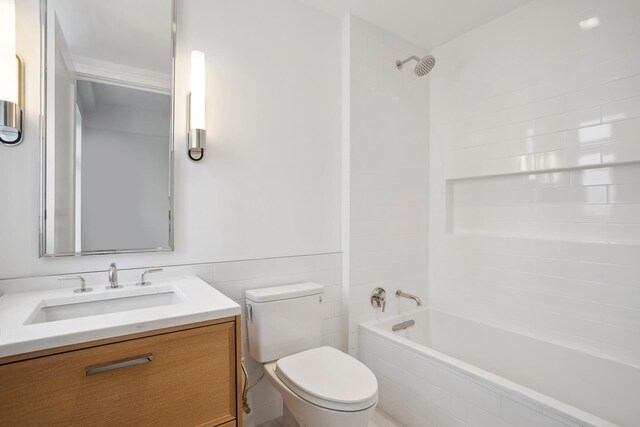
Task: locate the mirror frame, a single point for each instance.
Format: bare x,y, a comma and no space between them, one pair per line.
43,145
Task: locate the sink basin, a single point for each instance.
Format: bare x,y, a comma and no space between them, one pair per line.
53,310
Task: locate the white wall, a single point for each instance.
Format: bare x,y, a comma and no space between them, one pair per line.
270,181
553,253
269,185
388,174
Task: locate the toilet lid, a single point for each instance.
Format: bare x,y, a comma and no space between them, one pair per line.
329,378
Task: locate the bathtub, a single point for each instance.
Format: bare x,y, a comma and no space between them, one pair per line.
446,370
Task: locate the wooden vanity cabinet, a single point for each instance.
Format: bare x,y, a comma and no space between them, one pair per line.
183,376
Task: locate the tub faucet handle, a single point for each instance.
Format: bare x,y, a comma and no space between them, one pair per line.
379,298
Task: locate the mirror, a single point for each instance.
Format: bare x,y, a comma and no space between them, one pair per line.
107,133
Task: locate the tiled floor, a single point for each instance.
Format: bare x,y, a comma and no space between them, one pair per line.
378,419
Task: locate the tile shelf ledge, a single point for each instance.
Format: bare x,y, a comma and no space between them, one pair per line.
533,238
452,179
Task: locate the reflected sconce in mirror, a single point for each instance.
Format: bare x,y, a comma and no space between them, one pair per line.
11,78
196,115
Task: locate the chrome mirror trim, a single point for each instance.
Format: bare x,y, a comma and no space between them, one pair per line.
42,251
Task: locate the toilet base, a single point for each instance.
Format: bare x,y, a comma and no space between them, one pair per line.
288,420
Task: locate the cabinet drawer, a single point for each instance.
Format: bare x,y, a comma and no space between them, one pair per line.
184,378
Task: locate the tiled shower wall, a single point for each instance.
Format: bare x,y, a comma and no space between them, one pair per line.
388,174
535,144
233,279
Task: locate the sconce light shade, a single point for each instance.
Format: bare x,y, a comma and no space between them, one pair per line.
197,129
11,77
8,75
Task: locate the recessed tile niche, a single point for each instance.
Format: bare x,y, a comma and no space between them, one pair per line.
587,204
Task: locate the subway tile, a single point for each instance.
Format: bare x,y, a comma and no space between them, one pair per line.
624,213
508,165
547,107
552,160
292,265
233,290
328,261
609,92
538,144
623,152
238,270
621,132
332,293
621,110
597,176
624,193
570,120
266,281
203,271
325,277
575,195
589,135
623,233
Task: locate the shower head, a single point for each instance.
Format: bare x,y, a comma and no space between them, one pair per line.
423,66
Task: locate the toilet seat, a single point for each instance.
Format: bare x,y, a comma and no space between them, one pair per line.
329,378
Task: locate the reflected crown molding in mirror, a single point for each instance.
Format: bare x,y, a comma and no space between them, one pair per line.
107,130
121,75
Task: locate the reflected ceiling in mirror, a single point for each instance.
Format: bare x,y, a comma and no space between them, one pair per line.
108,140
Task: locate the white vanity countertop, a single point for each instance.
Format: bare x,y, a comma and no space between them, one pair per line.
197,302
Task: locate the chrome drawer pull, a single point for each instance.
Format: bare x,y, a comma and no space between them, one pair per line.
139,360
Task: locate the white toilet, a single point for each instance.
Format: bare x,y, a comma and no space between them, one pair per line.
320,386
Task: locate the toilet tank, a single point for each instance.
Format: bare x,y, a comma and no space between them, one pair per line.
284,320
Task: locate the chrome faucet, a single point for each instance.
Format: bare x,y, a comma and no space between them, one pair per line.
113,277
401,294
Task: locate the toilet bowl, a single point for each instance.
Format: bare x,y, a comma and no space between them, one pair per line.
324,387
320,386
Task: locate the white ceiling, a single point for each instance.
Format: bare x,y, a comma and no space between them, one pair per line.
427,23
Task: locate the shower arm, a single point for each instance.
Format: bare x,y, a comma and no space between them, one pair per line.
399,63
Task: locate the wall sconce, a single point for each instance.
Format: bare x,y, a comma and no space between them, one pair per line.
196,114
11,78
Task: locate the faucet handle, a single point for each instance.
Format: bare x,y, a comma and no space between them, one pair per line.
143,281
83,283
379,298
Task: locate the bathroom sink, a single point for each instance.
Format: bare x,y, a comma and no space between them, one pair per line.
39,320
53,310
